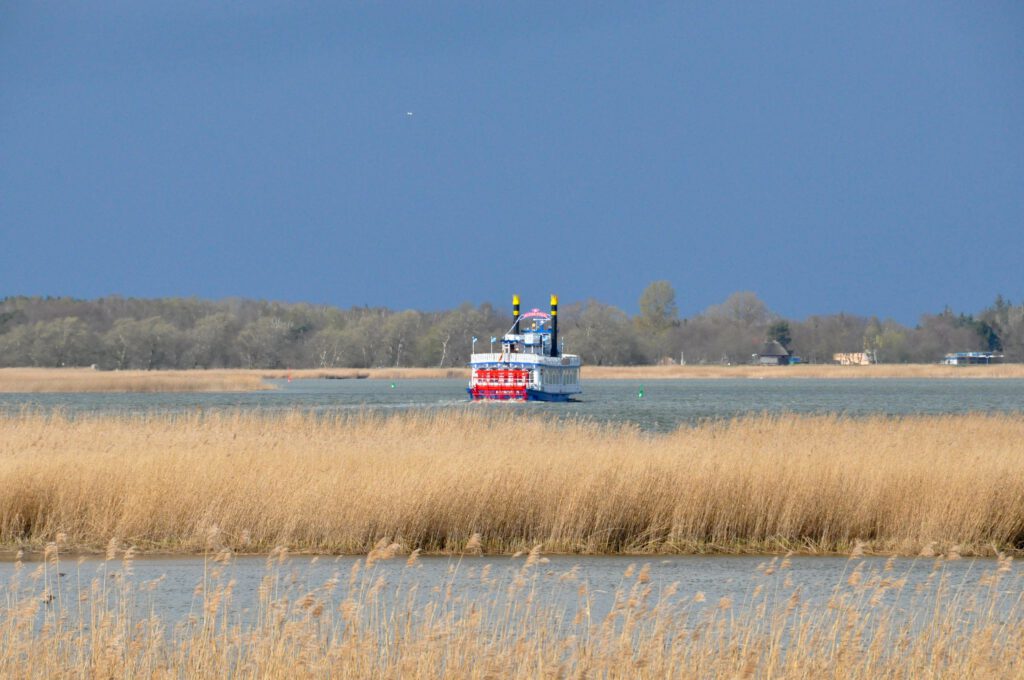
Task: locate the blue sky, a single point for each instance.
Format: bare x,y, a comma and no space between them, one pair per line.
858,157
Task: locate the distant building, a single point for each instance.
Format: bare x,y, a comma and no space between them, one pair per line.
854,358
969,358
772,353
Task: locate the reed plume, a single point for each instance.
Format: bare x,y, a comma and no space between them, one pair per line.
525,622
491,482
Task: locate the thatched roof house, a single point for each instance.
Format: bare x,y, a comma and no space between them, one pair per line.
772,353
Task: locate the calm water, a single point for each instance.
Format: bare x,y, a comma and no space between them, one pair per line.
665,405
817,578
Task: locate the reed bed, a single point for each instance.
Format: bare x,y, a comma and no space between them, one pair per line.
805,371
337,484
34,380
243,380
690,372
395,373
89,380
529,622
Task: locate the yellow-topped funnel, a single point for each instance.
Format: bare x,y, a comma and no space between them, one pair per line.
515,314
554,325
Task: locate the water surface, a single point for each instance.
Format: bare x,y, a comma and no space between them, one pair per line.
665,404
707,578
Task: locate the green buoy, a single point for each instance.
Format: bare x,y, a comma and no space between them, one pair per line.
640,393
392,385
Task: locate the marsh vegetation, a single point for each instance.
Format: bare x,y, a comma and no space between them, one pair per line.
337,484
36,380
803,371
71,380
59,618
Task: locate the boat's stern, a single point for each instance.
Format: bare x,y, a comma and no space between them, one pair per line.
501,384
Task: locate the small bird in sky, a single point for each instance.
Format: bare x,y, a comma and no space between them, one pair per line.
408,113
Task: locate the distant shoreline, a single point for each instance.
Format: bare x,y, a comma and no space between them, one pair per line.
54,380
803,371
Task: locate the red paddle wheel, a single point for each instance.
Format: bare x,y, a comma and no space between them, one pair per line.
500,383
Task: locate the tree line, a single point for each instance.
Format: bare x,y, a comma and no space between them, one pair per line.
127,333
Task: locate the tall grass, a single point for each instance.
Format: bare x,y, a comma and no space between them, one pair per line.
88,380
430,481
527,623
31,380
803,371
394,373
237,380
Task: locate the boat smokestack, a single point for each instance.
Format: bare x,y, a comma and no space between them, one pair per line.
515,314
554,325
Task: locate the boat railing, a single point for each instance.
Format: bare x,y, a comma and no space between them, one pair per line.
523,357
500,357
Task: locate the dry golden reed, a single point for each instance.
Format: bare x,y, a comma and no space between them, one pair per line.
236,380
687,372
32,380
500,483
395,373
529,621
811,371
88,380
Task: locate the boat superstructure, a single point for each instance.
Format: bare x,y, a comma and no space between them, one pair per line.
531,365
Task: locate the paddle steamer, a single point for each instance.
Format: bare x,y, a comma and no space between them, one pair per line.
530,366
